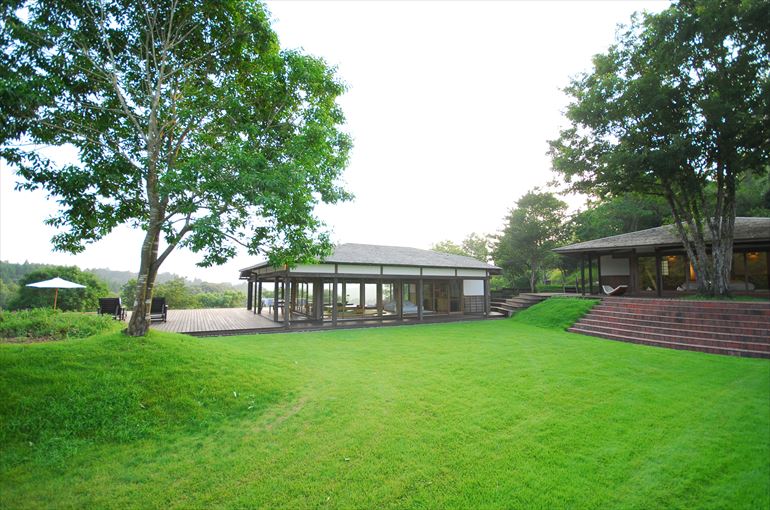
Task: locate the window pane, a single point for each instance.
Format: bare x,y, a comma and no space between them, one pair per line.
389,301
757,266
672,269
350,299
409,293
428,305
646,268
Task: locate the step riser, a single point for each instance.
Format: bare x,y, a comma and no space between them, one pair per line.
761,312
694,314
716,327
724,332
721,305
673,337
699,348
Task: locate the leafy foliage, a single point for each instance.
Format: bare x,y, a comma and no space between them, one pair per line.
49,324
678,107
181,294
81,300
189,120
475,246
533,228
619,214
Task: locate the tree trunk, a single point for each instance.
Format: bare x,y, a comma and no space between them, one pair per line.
140,317
532,278
690,224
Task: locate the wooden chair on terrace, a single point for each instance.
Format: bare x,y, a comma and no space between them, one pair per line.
617,291
158,310
112,306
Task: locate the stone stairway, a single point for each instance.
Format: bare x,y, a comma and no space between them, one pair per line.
509,306
738,328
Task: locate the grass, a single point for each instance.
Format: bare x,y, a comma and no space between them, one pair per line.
493,414
40,324
556,313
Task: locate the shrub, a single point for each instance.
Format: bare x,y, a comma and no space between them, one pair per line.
44,323
83,300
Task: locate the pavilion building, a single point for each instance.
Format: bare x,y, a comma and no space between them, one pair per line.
361,282
653,262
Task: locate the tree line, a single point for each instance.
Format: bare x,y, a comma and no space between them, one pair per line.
179,292
675,113
540,222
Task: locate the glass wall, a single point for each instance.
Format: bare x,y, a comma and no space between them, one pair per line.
646,268
455,296
738,272
389,299
302,295
756,265
409,293
428,298
673,271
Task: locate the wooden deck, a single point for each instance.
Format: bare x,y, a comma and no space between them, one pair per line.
238,321
213,320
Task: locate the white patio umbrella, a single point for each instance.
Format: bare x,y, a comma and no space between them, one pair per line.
56,283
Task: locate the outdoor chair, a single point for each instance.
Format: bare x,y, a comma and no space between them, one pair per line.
158,310
112,306
617,291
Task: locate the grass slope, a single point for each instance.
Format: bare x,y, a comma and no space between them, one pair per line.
493,414
556,312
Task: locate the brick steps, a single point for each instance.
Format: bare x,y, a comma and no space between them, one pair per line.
749,327
676,345
733,328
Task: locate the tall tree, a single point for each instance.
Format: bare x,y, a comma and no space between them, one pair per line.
475,245
190,122
680,105
448,246
533,228
618,215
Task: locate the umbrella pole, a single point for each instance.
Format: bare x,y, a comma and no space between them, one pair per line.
55,295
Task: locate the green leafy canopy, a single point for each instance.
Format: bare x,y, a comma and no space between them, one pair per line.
187,117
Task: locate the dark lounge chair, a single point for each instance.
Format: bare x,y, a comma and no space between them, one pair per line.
158,310
112,306
617,291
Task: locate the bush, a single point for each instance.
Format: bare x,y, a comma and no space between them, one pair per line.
44,323
81,300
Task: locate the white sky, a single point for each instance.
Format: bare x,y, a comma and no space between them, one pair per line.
450,106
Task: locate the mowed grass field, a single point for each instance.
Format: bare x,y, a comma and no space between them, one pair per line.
492,414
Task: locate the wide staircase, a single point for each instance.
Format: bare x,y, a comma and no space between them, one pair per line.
719,327
510,305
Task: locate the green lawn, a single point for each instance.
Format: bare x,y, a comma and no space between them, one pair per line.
493,414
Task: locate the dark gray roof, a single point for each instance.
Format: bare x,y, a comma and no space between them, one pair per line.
395,256
746,229
401,256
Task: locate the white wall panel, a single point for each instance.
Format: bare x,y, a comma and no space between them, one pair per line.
471,272
438,271
473,287
402,270
358,269
615,267
313,268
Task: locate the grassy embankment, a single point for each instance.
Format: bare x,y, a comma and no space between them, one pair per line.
493,414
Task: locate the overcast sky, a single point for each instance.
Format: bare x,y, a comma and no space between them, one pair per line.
450,106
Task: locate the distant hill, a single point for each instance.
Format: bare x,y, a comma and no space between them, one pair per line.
11,273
